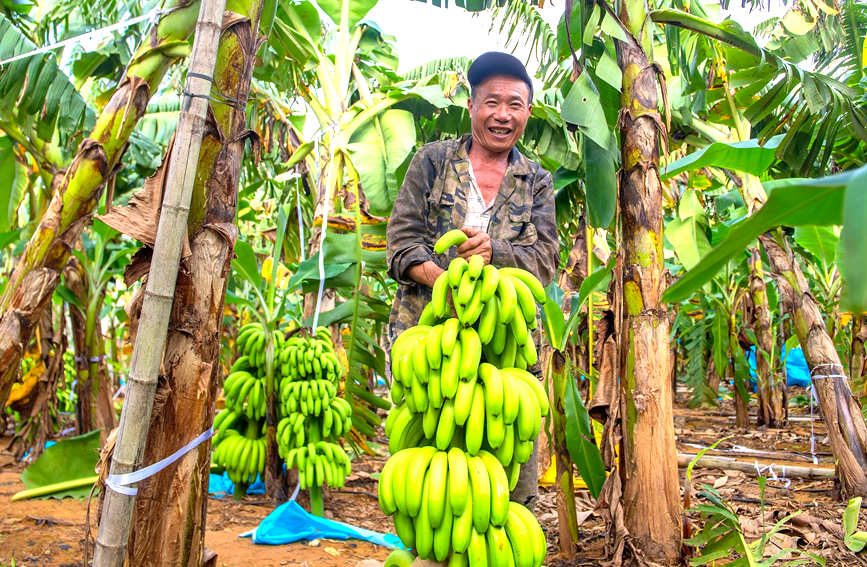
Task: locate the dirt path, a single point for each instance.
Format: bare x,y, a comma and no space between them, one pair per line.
51,533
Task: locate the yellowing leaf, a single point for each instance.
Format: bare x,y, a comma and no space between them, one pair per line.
797,22
864,53
827,8
21,390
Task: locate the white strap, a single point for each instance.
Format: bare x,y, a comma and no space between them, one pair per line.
120,482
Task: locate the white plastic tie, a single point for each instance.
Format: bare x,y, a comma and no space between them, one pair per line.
761,470
120,483
814,399
91,35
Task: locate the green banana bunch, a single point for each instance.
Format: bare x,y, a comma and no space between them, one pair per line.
465,419
309,397
241,454
245,393
309,358
319,463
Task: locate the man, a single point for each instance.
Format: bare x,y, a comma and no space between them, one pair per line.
483,185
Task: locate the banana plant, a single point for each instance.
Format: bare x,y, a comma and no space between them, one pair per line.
573,434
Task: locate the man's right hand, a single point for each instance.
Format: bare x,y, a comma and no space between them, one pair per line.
478,243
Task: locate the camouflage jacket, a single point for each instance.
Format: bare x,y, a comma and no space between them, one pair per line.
432,201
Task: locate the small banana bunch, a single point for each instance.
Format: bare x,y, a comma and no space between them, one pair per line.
239,446
244,391
251,343
294,429
461,509
308,358
319,463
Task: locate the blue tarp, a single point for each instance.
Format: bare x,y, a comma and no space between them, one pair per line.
220,485
290,522
797,373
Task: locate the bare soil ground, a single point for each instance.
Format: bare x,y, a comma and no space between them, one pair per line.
52,533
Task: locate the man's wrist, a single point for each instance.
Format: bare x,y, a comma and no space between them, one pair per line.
425,273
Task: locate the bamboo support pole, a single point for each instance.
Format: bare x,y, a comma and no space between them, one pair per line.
782,469
116,519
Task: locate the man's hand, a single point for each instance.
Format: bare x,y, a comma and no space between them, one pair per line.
478,243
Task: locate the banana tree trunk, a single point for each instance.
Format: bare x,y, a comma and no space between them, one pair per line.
847,431
771,389
78,189
858,361
648,458
170,512
94,409
567,520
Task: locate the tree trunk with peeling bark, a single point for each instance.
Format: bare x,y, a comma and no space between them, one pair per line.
771,389
858,359
169,522
79,187
648,459
847,431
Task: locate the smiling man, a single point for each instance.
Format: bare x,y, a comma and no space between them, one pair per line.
483,185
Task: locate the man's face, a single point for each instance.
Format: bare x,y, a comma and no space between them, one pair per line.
499,110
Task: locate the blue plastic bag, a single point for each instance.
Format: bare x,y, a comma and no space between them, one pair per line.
797,373
290,522
220,485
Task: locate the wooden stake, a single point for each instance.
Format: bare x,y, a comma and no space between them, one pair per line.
114,525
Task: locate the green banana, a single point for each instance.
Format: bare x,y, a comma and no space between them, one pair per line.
450,335
438,491
403,526
445,429
499,488
464,401
454,237
433,347
456,270
475,425
499,550
526,301
417,463
462,527
480,485
442,537
519,536
458,481
423,529
439,296
471,353
532,283
540,546
488,321
490,280
450,375
477,552
508,300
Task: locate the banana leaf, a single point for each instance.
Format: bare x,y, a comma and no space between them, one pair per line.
69,459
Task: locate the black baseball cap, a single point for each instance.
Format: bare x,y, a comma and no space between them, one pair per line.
497,63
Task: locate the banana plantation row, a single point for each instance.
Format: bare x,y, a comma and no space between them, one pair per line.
710,195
